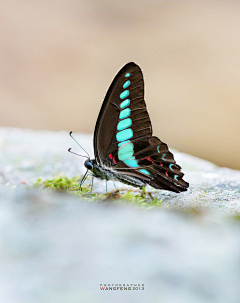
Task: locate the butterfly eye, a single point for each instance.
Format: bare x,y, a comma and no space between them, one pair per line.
88,164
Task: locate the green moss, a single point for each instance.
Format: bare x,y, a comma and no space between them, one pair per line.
135,197
60,183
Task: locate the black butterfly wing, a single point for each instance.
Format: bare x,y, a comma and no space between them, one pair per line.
116,102
156,163
123,138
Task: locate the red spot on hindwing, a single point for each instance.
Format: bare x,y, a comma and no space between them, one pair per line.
148,158
112,158
161,164
166,173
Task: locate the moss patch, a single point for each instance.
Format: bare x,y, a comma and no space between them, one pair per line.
134,197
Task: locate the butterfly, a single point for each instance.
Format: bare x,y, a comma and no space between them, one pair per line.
124,147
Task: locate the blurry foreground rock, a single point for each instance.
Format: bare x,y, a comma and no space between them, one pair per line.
57,248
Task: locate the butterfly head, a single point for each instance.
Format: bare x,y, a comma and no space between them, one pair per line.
88,164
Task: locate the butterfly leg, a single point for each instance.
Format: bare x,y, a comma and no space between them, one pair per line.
83,180
91,187
115,185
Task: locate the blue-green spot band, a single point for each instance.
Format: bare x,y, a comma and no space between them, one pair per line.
125,152
125,113
124,134
123,142
125,147
144,171
131,162
125,103
124,94
124,124
126,84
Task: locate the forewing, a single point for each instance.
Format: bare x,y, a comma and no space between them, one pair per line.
123,114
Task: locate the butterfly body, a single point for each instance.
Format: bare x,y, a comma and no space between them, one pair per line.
124,147
107,174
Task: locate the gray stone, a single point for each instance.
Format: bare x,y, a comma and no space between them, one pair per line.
27,155
54,247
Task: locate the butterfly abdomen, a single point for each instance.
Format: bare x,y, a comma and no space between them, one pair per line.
130,180
103,173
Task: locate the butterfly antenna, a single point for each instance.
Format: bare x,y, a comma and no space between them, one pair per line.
76,154
79,145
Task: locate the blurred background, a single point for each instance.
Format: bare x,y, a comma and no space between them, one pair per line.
58,59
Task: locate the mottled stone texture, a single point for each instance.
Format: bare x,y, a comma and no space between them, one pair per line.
27,155
57,248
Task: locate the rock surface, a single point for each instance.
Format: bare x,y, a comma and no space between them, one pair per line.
27,155
57,248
